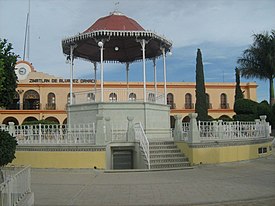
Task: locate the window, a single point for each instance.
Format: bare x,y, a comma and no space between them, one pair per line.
132,97
113,97
51,101
151,97
90,97
188,101
209,105
31,100
170,100
224,104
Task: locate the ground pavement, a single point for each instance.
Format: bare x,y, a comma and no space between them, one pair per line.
242,183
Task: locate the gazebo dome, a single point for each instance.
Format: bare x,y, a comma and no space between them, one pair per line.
121,37
115,21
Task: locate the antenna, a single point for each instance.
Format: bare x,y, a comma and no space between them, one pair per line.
27,35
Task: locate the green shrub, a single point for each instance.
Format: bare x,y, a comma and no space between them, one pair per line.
245,117
7,148
263,108
38,122
245,106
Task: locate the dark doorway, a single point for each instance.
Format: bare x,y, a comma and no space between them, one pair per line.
122,159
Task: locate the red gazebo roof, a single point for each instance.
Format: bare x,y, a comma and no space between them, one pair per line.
116,31
115,21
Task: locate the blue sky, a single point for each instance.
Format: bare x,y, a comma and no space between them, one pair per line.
222,29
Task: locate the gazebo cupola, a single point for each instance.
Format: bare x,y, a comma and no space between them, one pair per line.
117,38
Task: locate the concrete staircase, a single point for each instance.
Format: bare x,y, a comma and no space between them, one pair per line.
166,155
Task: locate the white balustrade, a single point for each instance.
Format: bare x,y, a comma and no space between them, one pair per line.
55,134
221,130
15,187
117,95
144,143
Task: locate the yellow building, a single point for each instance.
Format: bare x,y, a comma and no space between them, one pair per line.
43,96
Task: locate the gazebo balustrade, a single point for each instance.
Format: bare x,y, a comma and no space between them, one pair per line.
118,95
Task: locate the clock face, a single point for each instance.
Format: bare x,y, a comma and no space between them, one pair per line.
22,71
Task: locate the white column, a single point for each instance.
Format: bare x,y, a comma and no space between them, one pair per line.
155,77
164,74
100,44
127,79
71,74
144,70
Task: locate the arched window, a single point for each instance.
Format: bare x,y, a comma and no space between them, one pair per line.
31,100
170,100
113,97
132,97
188,101
51,101
90,97
209,105
151,97
224,104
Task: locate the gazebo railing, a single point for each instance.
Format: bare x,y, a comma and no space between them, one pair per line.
117,95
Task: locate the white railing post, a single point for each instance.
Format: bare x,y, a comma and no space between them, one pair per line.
194,134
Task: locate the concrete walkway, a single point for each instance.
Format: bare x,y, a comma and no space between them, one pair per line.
242,183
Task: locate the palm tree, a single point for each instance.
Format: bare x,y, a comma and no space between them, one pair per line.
258,61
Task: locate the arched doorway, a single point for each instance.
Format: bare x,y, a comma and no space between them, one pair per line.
52,119
10,119
29,119
31,100
186,119
51,101
65,121
172,122
170,100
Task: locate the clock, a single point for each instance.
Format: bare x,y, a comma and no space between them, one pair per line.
22,71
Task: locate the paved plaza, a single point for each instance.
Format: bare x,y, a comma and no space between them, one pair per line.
241,183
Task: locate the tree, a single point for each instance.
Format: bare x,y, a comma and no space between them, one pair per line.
8,78
258,61
238,90
201,106
7,150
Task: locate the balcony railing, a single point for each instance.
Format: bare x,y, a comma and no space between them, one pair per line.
189,105
117,95
50,106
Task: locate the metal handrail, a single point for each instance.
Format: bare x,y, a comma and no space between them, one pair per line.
144,143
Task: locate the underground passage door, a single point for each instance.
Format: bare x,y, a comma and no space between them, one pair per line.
122,159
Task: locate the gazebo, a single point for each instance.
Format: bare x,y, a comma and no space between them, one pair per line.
117,38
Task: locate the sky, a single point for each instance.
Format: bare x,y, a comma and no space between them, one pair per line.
222,29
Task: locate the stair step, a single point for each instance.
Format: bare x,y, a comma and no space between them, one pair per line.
164,151
166,155
161,143
165,160
163,147
170,165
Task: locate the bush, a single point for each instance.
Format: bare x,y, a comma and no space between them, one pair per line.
245,117
38,122
245,106
7,148
263,108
